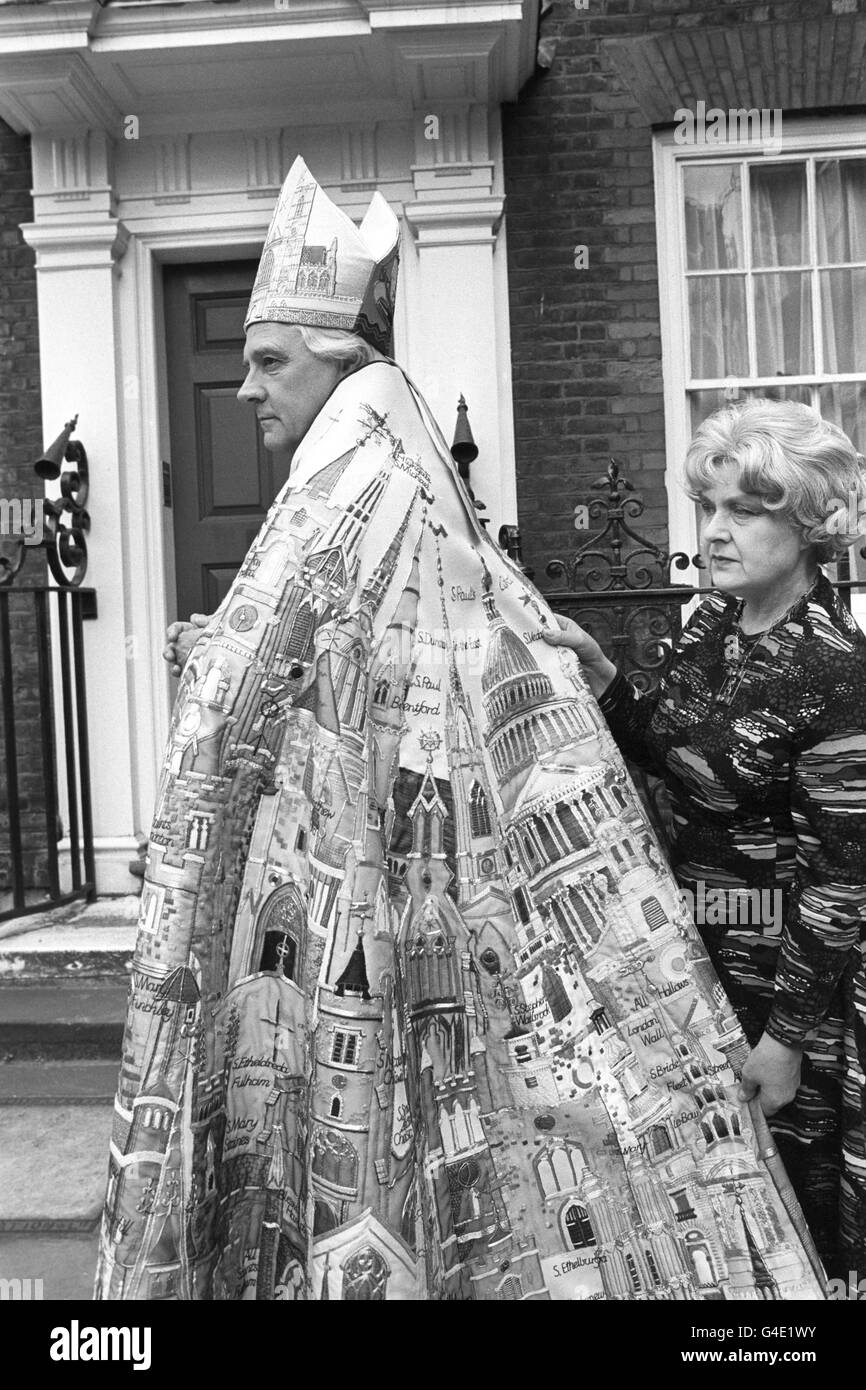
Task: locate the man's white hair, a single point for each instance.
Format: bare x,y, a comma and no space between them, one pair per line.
347,350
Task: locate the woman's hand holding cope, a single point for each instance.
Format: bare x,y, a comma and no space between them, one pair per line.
772,1073
599,672
181,638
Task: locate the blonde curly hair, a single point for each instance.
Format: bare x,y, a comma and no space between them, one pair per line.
797,462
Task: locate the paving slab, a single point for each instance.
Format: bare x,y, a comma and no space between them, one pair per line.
53,1166
58,1267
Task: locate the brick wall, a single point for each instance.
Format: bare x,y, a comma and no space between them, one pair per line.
20,443
586,343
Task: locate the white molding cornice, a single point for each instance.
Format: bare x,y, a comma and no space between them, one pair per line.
78,246
40,93
76,61
65,24
463,222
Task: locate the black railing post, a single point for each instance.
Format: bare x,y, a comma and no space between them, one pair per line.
83,741
49,746
11,754
58,639
32,889
69,738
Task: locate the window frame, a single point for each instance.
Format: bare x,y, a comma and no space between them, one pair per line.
346,1034
826,137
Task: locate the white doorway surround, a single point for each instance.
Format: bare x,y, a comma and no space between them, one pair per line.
162,133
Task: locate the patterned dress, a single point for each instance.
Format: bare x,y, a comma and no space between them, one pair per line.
761,744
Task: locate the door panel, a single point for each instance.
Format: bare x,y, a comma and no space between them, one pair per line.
224,479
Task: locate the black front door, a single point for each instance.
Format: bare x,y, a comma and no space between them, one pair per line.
223,479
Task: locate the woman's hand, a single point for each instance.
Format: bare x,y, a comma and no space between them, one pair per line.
181,638
598,670
772,1073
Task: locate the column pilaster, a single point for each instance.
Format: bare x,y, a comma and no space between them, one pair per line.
459,341
79,249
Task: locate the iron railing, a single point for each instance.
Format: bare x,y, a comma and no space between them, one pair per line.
42,676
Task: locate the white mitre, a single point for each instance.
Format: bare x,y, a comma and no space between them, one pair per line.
318,268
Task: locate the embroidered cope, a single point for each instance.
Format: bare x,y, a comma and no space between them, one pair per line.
416,1011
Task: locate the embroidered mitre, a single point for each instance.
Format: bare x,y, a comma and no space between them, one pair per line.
318,268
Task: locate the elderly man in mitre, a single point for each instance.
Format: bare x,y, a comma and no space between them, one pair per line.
416,1011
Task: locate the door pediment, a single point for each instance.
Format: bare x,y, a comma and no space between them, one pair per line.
268,59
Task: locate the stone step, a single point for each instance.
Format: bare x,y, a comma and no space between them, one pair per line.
63,1018
64,979
95,943
57,1081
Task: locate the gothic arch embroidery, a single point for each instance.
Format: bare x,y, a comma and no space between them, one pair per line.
335,1160
280,931
577,1227
365,1277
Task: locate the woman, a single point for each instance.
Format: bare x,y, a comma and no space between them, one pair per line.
758,729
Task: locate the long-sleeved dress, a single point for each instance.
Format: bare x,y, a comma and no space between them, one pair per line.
761,744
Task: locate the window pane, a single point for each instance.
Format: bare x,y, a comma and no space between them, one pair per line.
703,403
841,193
717,322
843,314
802,394
779,220
714,217
845,405
783,324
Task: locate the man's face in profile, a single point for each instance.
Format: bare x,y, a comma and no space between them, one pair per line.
287,384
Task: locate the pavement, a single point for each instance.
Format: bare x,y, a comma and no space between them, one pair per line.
64,977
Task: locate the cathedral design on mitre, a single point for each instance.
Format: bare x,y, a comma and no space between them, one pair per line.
318,268
285,248
317,272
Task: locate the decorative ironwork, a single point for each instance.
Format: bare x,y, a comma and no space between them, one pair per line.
69,520
652,565
618,584
66,520
10,566
510,542
32,876
464,452
35,870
